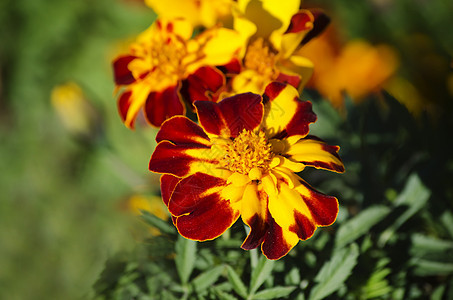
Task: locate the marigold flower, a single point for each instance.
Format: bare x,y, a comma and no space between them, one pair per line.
242,161
272,31
357,67
198,12
165,59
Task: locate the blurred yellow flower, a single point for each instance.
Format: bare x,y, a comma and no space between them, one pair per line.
198,12
272,32
358,68
75,112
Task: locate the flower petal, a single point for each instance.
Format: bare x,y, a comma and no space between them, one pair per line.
122,74
181,131
124,103
319,24
285,115
167,186
314,152
203,84
183,160
301,24
162,105
254,213
302,209
219,46
201,212
292,79
277,242
231,115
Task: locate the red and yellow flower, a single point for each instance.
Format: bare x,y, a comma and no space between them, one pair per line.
242,160
164,62
273,31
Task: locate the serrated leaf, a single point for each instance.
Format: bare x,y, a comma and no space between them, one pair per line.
260,273
236,282
160,224
360,224
335,272
431,248
206,279
274,293
185,257
414,195
223,295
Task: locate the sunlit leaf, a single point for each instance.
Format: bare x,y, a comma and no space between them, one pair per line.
335,272
236,282
185,258
275,292
262,271
206,279
360,224
160,224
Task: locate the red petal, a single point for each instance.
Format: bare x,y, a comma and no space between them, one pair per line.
203,84
301,117
122,74
275,245
258,229
202,214
231,115
174,159
182,131
233,67
300,22
293,80
167,185
124,102
162,105
323,208
303,228
320,23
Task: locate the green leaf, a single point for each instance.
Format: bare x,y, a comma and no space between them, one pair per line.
185,258
335,272
424,267
360,224
206,279
275,292
236,282
447,220
262,271
414,195
431,248
160,224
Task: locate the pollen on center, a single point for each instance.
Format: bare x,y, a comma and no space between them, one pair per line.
249,150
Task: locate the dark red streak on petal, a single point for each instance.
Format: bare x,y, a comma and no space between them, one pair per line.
181,131
122,74
300,22
162,105
274,245
303,227
258,228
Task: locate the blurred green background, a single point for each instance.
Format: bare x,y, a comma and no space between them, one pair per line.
62,192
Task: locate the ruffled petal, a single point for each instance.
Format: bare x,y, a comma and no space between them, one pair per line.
122,74
277,242
160,106
285,115
302,209
201,212
301,24
231,115
167,185
254,214
203,84
131,102
183,160
314,152
321,20
181,131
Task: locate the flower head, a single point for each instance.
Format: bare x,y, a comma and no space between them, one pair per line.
164,60
272,32
242,161
198,12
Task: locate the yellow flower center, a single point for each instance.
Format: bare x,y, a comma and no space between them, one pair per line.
261,58
166,56
249,150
